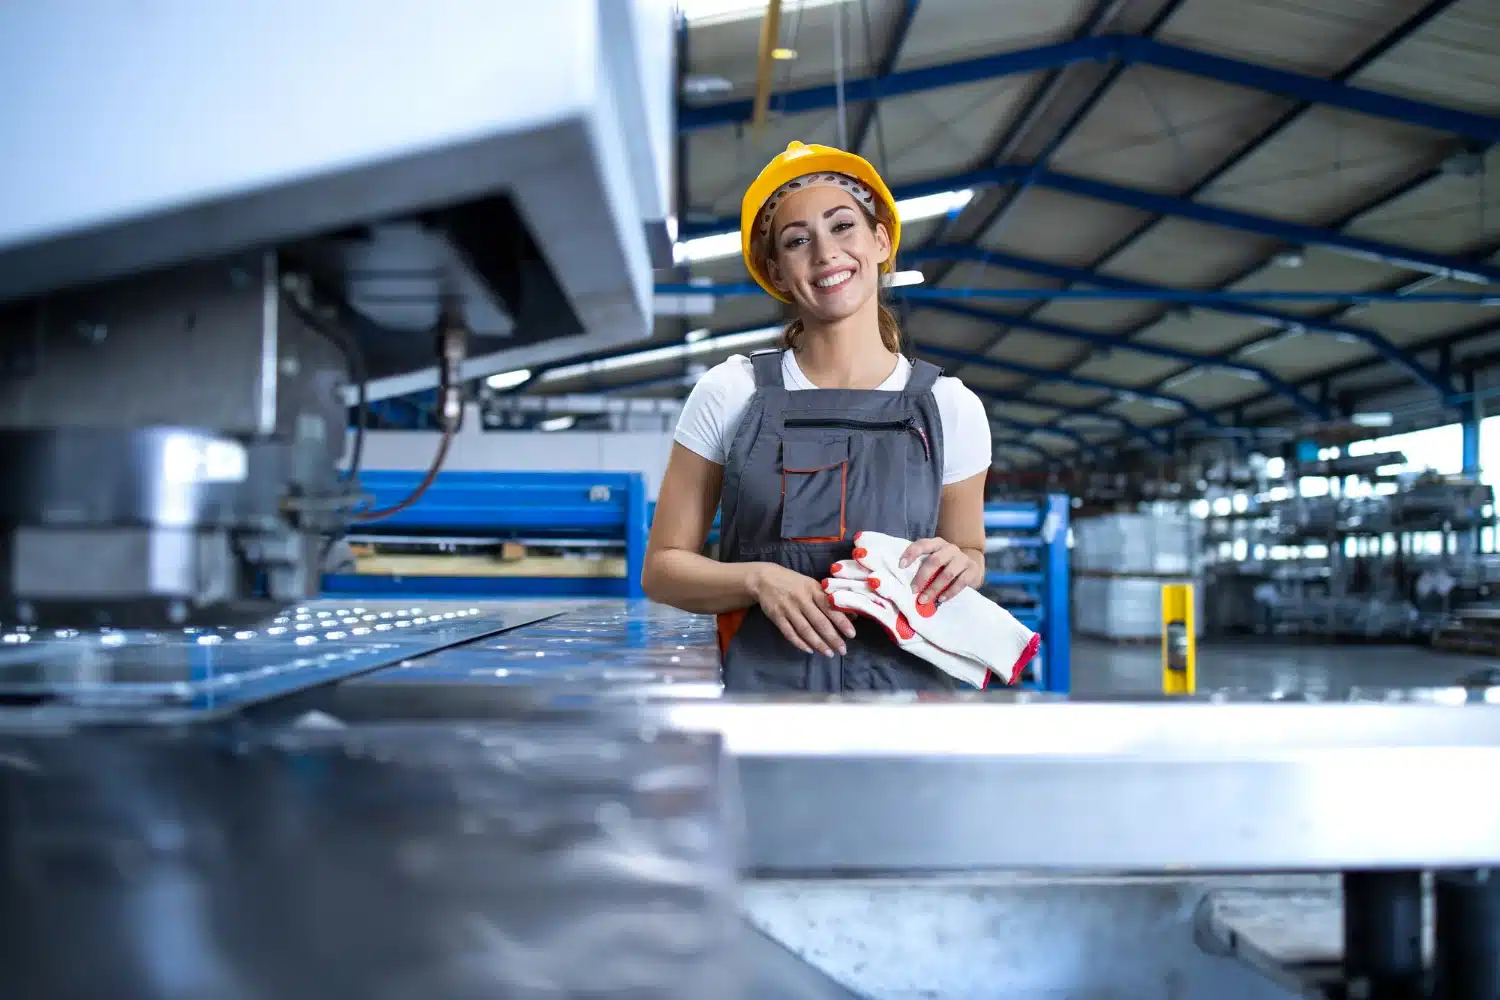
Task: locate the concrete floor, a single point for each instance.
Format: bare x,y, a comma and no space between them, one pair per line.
1262,667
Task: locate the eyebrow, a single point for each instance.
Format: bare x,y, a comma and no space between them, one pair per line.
800,222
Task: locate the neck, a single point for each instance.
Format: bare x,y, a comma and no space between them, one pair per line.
846,354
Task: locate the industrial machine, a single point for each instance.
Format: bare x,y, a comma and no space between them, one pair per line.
221,225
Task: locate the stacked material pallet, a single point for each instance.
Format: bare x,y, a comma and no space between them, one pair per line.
1120,564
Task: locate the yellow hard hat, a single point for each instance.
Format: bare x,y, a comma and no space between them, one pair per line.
800,160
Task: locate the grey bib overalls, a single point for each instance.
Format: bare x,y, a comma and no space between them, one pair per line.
806,470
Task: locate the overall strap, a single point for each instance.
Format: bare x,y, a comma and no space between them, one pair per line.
767,365
923,375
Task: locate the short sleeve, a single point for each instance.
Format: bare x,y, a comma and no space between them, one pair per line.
713,409
966,431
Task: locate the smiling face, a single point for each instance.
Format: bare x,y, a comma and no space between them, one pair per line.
825,253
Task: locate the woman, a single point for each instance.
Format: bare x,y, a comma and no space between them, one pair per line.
801,447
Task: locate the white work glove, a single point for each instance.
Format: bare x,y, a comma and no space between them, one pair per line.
856,597
969,624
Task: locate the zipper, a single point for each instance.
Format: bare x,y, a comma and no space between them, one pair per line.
909,424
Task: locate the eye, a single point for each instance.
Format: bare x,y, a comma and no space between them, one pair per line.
839,227
793,242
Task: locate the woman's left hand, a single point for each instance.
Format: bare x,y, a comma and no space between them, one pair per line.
945,571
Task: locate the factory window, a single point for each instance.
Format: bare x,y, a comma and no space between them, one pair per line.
1489,451
1440,449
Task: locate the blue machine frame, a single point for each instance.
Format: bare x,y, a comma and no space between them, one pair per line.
594,505
1044,526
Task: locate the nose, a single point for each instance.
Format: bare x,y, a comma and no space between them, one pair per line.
822,248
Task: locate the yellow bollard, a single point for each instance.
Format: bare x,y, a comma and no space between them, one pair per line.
1179,642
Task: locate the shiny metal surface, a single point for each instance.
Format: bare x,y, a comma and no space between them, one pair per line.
1023,784
604,651
538,858
70,676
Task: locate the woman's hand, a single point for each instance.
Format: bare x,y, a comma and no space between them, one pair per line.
800,609
945,571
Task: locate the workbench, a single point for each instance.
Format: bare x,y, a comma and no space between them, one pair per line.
380,775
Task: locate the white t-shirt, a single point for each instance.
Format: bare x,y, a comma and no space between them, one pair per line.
713,410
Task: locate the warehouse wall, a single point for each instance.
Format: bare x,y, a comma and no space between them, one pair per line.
564,451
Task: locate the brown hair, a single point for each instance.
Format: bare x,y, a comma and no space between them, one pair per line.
890,327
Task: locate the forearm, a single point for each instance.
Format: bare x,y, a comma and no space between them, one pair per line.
975,577
693,582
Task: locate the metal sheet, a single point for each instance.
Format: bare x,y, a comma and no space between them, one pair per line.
1017,783
541,858
605,651
154,676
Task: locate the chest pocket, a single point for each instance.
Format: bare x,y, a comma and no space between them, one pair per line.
814,489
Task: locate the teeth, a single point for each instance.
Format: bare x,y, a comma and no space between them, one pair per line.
834,279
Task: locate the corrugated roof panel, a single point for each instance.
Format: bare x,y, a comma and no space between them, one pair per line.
1407,324
1022,411
954,331
951,30
1126,367
1212,389
1099,315
1033,349
1320,270
928,134
1204,332
969,274
1059,228
723,162
1179,252
984,378
1067,394
1452,61
1448,214
1145,413
1322,166
1309,36
1162,131
1309,355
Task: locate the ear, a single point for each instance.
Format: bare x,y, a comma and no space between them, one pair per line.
882,243
774,275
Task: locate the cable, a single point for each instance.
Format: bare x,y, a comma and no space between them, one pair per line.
451,347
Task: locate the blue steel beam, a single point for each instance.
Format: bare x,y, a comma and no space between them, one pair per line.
1010,142
1127,49
904,18
1311,89
1183,208
1415,22
1218,300
1410,26
1107,342
1277,229
1414,182
1120,392
1043,57
1441,343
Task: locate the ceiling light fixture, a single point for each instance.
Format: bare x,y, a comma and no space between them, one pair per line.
656,355
717,246
509,380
